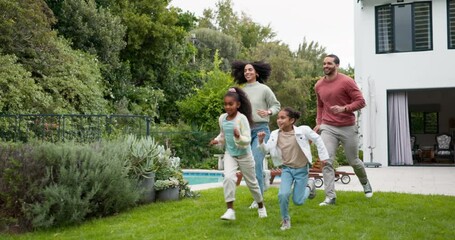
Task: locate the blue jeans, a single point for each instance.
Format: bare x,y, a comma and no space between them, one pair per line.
298,176
258,155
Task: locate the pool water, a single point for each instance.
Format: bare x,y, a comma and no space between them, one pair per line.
195,178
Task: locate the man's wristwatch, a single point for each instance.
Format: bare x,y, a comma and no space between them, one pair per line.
269,112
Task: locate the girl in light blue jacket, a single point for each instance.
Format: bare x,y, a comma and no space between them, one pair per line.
289,147
235,137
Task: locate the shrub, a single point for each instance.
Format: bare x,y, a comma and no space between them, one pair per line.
85,184
21,178
45,184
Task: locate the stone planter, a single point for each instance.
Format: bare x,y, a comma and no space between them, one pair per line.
169,194
148,188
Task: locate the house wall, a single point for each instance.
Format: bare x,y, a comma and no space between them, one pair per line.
393,71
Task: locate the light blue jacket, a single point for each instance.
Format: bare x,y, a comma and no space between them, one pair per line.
303,134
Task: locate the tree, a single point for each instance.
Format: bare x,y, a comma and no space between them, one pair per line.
18,91
209,41
251,33
204,107
310,56
72,79
90,28
206,21
25,30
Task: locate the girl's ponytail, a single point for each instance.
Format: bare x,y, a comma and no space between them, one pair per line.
245,105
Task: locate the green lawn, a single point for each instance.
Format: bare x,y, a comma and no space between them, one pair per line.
385,216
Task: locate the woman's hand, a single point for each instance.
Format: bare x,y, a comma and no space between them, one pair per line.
261,136
214,142
263,113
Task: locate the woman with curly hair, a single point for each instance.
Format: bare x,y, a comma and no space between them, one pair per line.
264,104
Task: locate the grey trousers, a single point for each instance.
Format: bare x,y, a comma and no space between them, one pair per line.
246,165
348,137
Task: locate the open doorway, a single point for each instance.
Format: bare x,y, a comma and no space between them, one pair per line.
421,126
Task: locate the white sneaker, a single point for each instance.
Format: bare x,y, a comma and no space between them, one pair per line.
285,224
229,215
368,190
328,201
262,212
254,205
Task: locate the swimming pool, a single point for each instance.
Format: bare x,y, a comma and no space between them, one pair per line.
202,177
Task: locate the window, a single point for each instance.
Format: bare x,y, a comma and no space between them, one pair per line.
424,122
404,27
451,22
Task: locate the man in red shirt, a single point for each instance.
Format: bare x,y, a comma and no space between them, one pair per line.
338,97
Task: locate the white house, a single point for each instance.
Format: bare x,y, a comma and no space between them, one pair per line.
405,65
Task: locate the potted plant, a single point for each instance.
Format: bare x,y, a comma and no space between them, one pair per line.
142,154
168,189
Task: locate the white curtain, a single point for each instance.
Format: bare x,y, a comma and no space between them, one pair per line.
399,133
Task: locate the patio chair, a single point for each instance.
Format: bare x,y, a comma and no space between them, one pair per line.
444,147
416,151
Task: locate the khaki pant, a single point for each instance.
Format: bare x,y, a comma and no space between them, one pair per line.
246,165
348,136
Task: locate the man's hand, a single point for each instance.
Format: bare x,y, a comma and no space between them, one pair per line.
337,109
214,142
317,128
261,136
263,113
323,162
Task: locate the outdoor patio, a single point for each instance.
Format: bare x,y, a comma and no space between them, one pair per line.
418,180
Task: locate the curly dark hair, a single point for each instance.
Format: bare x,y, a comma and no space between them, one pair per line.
292,113
245,105
262,69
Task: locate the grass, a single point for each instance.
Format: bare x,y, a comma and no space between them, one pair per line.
385,216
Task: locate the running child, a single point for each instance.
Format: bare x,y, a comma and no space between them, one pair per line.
235,135
289,147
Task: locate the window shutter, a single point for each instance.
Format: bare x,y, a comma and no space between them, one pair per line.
451,23
422,26
384,29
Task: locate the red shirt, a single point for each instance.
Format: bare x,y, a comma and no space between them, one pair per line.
341,91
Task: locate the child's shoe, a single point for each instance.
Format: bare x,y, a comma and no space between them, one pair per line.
229,215
285,224
262,212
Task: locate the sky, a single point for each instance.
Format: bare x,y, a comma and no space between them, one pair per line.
328,22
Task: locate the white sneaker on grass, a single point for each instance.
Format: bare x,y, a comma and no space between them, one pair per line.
285,224
262,212
368,190
254,205
328,201
229,215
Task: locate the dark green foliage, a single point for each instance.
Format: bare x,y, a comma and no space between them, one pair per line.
25,29
70,79
90,28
